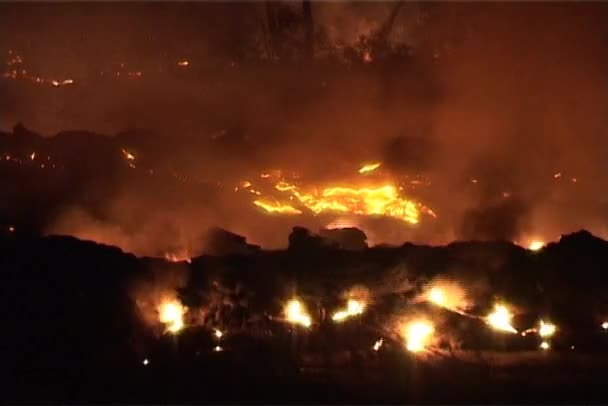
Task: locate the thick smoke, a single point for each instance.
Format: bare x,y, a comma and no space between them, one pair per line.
490,101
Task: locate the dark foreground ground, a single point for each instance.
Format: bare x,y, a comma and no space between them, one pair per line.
74,330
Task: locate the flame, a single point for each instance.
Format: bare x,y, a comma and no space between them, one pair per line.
353,308
378,344
171,313
183,63
128,155
605,325
418,335
218,333
449,295
369,167
536,245
296,313
545,345
33,156
379,201
546,329
500,319
182,256
276,207
437,296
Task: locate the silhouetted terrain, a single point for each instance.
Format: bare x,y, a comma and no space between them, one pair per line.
74,330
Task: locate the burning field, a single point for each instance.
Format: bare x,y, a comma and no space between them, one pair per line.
379,202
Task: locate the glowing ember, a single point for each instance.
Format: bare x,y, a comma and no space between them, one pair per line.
369,167
353,308
296,313
218,333
128,155
11,229
418,334
605,325
171,314
546,329
500,319
378,344
276,207
33,156
183,63
545,345
178,257
536,245
217,348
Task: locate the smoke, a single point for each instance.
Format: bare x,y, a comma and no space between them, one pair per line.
502,94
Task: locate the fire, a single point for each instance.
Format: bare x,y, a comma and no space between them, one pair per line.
369,167
218,333
178,257
33,156
171,313
378,344
546,329
379,201
418,335
500,319
353,308
128,155
276,207
183,63
605,325
296,313
545,345
536,245
437,297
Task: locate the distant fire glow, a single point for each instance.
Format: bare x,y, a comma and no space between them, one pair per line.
536,245
545,345
295,313
500,319
171,314
417,335
353,308
378,344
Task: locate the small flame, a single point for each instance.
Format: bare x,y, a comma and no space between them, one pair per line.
296,313
546,329
276,207
378,344
500,319
183,63
605,325
128,155
369,167
218,333
171,313
353,308
545,345
418,334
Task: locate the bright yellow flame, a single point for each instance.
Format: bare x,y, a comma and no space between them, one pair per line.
171,313
545,345
436,296
296,313
369,167
546,329
378,344
379,201
500,319
276,207
536,245
353,308
418,334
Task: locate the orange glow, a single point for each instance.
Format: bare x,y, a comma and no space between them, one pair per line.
128,155
183,63
536,245
276,207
